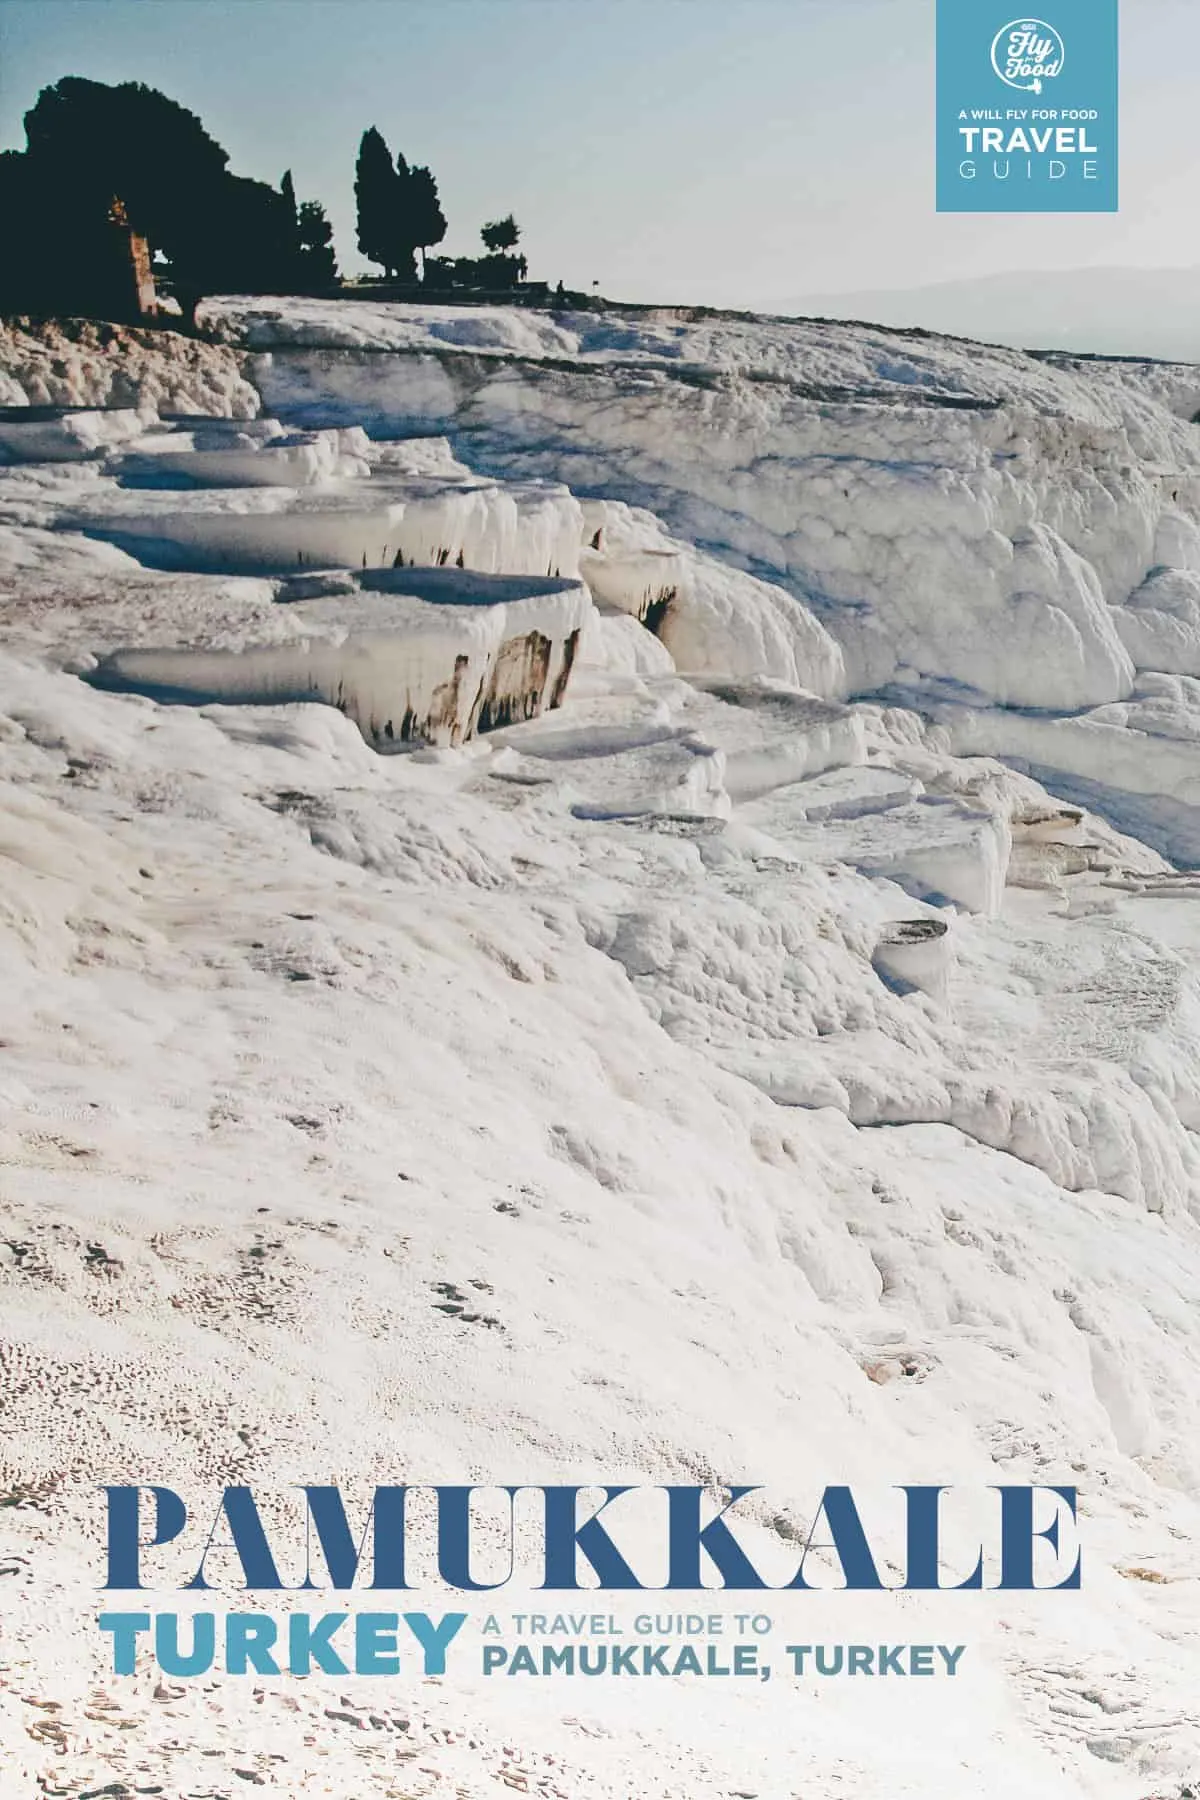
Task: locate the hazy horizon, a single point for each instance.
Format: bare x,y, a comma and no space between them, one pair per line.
1104,311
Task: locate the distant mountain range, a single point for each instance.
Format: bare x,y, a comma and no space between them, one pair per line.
1113,312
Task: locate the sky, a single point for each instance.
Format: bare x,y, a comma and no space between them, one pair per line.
729,152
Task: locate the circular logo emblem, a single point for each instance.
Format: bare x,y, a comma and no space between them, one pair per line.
1028,53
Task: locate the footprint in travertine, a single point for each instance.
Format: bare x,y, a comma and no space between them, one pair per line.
53,1254
24,1257
260,1281
464,1306
46,1149
98,1260
32,1495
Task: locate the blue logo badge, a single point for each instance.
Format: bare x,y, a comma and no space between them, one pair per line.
1027,53
1027,108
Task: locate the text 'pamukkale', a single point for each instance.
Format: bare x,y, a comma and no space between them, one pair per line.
478,1539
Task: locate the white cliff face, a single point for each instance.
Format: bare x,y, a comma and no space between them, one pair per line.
425,657
425,604
708,615
79,364
381,523
753,983
248,453
26,435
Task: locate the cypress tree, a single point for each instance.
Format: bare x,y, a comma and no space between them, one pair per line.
375,191
426,218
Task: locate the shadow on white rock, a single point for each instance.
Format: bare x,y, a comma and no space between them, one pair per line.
915,954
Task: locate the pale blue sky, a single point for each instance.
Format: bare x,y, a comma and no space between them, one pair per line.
730,151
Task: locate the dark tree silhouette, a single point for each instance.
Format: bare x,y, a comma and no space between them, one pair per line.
249,245
501,234
373,179
402,237
399,211
23,233
427,220
87,142
102,161
311,265
96,155
379,189
317,263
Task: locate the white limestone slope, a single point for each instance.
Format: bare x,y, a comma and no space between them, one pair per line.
966,522
713,1069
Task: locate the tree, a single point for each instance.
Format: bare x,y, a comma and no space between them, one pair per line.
311,264
25,275
245,243
88,142
317,262
102,162
94,155
501,234
384,234
401,237
426,218
374,185
399,211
